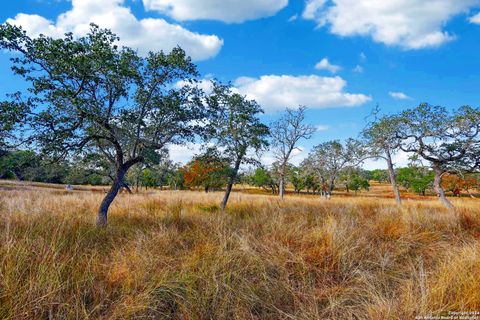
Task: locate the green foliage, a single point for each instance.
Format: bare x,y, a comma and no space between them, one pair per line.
297,178
358,182
262,178
88,96
328,159
236,128
380,136
311,183
18,164
415,178
447,139
175,179
29,166
379,175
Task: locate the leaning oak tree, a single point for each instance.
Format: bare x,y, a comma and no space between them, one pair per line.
88,95
449,141
236,129
286,132
381,143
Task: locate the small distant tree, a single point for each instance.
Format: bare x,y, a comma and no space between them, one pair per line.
311,182
357,182
175,178
379,175
236,129
262,178
297,178
353,176
415,178
208,170
449,141
88,96
286,133
456,183
329,158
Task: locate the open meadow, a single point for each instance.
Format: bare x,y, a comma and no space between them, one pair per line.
175,255
253,159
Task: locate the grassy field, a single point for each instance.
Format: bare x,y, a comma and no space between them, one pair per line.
173,255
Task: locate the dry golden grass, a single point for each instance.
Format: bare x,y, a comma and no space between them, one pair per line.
173,255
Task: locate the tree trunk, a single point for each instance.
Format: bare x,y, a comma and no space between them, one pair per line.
437,182
111,194
231,180
393,177
117,184
331,186
281,188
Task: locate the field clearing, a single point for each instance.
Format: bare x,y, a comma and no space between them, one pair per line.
174,255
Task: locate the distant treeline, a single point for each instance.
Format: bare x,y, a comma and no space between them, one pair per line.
209,172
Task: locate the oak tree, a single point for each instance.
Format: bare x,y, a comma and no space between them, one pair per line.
90,96
286,133
236,130
381,143
448,140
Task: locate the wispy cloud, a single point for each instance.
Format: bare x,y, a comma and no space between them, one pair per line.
358,69
324,64
293,18
322,127
399,95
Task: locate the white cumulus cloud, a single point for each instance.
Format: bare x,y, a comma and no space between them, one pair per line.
184,153
230,11
147,34
399,95
275,92
324,64
475,19
410,24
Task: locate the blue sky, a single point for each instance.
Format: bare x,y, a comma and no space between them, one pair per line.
395,53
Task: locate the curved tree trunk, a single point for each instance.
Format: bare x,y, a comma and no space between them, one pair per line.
393,177
111,194
437,182
231,180
118,183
